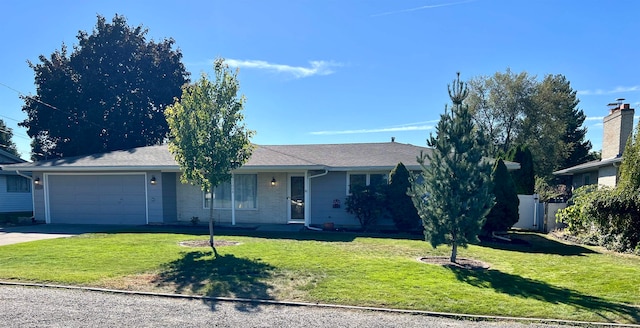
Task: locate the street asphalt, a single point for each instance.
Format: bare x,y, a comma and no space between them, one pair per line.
56,307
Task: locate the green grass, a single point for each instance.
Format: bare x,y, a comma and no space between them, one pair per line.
546,279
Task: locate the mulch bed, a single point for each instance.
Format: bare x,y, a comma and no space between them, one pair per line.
205,243
460,263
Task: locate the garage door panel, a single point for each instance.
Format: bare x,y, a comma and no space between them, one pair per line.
101,199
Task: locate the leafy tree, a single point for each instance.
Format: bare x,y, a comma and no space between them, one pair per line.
504,213
524,178
499,104
543,115
6,143
207,135
399,203
367,203
455,196
108,94
629,176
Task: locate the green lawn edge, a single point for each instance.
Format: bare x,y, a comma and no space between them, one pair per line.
542,279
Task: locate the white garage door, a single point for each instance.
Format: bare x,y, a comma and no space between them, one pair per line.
97,199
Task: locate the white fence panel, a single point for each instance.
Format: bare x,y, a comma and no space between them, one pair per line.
531,213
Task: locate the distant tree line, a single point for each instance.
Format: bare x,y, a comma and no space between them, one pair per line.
515,110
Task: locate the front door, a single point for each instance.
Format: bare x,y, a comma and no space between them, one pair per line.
296,198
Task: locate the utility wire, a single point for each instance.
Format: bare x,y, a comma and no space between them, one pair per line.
58,109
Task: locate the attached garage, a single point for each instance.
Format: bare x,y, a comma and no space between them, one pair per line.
96,198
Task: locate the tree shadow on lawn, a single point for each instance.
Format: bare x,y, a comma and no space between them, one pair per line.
532,289
201,273
534,243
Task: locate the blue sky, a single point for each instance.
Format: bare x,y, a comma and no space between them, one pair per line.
335,71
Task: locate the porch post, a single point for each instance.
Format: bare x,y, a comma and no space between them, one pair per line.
233,199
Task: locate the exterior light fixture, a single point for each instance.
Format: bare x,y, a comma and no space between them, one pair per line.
153,180
36,181
273,181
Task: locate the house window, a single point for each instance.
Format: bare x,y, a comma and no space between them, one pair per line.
366,179
17,183
246,186
587,180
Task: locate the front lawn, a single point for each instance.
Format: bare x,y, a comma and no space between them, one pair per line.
545,279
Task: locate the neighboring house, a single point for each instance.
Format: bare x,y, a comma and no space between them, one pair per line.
617,127
282,184
15,189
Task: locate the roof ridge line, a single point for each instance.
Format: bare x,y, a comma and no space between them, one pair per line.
292,156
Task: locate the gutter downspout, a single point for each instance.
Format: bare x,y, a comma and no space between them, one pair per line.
307,217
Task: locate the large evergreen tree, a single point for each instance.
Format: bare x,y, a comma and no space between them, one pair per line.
6,143
554,129
207,134
455,196
504,213
109,93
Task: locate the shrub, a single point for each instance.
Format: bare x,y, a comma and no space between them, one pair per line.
504,214
399,203
524,178
367,203
606,217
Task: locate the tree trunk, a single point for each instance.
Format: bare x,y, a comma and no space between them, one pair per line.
454,252
211,242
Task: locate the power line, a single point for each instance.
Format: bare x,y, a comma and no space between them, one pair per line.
30,97
9,118
14,134
58,109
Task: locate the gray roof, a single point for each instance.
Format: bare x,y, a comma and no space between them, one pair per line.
589,166
354,156
9,158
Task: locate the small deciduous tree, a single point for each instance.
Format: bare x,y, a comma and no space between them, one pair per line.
399,203
367,203
207,135
504,213
455,195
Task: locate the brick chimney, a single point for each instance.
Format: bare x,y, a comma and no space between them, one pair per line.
618,126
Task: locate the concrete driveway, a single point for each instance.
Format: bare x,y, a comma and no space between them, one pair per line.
23,234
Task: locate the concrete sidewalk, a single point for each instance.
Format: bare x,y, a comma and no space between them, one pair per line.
23,234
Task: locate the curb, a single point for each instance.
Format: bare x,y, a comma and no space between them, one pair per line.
457,316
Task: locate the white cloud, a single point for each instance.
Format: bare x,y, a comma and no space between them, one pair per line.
400,128
318,67
594,118
600,92
421,8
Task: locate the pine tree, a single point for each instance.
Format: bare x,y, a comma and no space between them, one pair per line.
504,213
455,197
